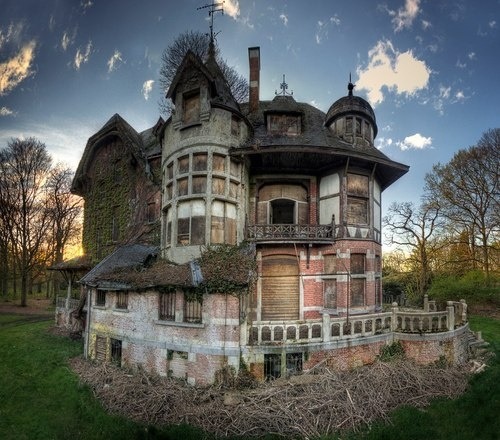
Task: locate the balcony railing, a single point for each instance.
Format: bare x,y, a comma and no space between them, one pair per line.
293,232
333,329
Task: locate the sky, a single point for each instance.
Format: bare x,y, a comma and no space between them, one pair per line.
429,68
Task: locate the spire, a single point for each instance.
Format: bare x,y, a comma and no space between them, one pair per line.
350,86
284,88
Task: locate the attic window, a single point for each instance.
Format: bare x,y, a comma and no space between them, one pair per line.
191,108
288,125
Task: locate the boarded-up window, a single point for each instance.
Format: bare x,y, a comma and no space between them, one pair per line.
191,108
167,306
378,264
152,212
348,124
192,309
284,124
330,263
280,288
223,223
358,263
100,348
199,185
169,191
233,189
122,300
378,292
367,131
218,163
357,199
357,292
302,213
358,126
183,165
200,162
218,186
235,168
182,187
330,294
170,171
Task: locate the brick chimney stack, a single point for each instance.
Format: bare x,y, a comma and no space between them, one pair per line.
254,62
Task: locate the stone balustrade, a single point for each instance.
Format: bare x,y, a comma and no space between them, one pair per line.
330,329
63,302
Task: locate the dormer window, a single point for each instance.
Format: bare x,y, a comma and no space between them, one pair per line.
283,124
191,107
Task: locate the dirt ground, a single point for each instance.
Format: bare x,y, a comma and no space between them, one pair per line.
35,307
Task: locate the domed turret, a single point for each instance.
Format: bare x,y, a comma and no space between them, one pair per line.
352,119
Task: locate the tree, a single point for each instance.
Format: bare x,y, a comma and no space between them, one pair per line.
414,229
467,192
198,43
64,210
24,165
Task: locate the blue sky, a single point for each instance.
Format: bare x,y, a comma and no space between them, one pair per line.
428,67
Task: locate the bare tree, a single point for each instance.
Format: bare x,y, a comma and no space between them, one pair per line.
64,211
198,43
24,165
415,229
467,192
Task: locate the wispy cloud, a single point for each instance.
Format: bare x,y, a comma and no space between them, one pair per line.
232,8
147,87
5,111
86,4
68,38
323,26
492,24
471,55
415,142
284,19
399,72
17,68
403,18
82,55
115,60
13,34
383,142
426,24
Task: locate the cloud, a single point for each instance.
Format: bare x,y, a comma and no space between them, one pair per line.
68,38
86,4
426,24
147,87
404,17
461,65
387,68
12,35
459,96
232,8
415,142
381,143
492,24
17,68
284,18
114,61
471,55
4,111
322,28
82,56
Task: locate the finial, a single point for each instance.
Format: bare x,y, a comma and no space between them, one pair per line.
350,86
213,7
284,88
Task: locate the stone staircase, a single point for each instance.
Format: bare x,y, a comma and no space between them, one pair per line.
477,346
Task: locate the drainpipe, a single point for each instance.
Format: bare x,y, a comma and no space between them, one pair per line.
87,330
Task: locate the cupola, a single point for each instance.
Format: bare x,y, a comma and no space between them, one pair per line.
352,119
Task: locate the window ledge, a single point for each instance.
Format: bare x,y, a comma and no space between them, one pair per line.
116,309
99,307
180,324
190,125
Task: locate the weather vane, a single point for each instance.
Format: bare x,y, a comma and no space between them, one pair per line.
284,88
212,8
350,86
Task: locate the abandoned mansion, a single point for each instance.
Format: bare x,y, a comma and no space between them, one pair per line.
242,235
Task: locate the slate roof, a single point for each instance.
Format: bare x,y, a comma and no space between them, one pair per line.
127,257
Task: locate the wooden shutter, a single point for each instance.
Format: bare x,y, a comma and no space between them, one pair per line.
280,288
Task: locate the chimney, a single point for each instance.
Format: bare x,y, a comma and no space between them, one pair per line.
254,62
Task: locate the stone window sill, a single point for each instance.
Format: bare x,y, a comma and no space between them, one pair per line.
180,324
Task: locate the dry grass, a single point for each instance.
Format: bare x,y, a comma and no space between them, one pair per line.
304,406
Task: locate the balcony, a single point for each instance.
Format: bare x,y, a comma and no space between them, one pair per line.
290,233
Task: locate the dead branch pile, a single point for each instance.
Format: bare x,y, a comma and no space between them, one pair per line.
304,406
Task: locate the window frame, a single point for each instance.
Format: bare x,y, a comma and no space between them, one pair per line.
121,300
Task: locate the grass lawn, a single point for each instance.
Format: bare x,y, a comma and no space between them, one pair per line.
41,398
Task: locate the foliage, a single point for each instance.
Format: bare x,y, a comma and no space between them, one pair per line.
473,286
392,351
198,43
227,268
466,190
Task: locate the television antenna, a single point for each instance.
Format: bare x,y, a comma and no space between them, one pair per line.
212,9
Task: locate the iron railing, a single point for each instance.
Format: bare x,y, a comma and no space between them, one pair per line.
273,232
